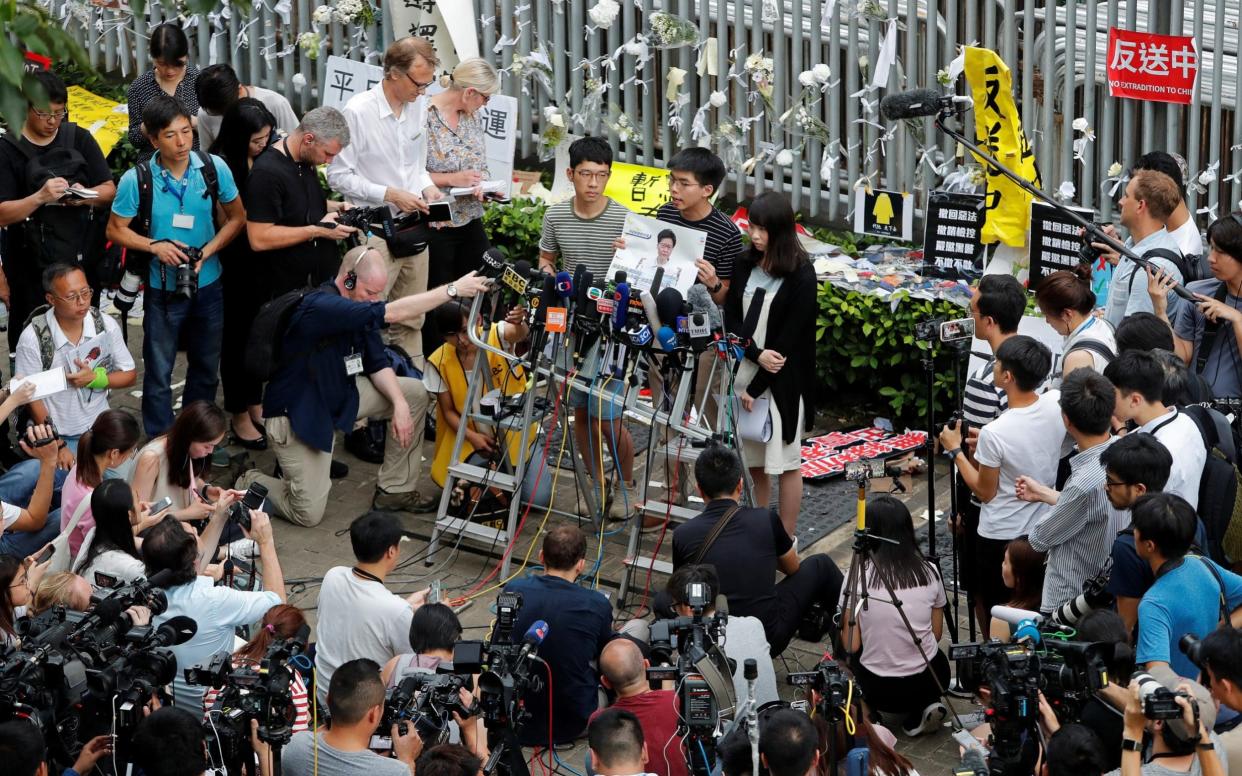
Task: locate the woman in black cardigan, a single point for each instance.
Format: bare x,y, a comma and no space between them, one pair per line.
780,360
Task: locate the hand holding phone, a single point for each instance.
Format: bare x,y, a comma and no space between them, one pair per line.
46,555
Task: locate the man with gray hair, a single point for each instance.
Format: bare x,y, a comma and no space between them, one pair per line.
342,376
386,163
288,217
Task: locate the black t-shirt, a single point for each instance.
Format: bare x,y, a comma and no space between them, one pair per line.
287,193
744,555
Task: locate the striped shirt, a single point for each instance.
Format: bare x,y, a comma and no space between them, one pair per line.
586,241
724,241
1076,533
297,689
982,401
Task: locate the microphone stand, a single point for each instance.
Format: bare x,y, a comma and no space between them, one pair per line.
1093,232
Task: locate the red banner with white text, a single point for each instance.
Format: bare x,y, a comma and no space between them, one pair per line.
1156,68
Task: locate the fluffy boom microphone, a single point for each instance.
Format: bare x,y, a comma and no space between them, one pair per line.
918,104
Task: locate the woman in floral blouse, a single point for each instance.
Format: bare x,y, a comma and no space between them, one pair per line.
457,159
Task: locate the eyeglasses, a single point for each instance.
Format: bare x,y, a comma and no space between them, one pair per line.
1113,484
420,86
679,183
587,175
80,296
57,116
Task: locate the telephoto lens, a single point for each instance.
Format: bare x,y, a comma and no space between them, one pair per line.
1192,648
1159,702
127,292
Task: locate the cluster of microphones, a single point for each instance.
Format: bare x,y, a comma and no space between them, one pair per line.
655,320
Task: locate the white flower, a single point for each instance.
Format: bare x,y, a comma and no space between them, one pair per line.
322,14
623,134
552,115
1066,190
1080,124
806,78
299,81
309,43
822,73
1114,169
1207,177
718,99
635,48
784,158
604,13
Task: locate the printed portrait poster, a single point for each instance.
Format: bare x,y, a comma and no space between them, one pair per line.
651,244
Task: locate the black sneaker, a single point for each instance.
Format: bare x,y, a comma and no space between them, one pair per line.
413,502
338,470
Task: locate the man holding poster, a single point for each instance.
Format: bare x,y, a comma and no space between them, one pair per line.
651,245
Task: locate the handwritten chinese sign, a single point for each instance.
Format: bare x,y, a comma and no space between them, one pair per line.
107,121
999,129
1157,68
641,189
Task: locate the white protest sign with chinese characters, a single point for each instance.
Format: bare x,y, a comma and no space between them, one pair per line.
346,77
448,24
499,117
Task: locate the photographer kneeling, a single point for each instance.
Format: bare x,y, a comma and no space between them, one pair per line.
356,705
1220,658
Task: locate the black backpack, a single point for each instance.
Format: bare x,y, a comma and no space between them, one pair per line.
265,347
53,234
1192,267
138,261
1220,484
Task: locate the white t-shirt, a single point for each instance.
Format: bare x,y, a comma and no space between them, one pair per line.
115,563
9,514
278,104
1181,436
1189,241
1023,440
357,618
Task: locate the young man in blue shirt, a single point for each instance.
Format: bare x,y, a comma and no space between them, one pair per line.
182,216
1191,594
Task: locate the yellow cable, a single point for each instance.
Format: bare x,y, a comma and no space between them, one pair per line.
315,717
849,702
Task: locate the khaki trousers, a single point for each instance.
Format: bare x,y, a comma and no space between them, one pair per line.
301,494
405,276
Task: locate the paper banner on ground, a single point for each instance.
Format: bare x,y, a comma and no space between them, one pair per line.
999,127
107,121
448,24
346,77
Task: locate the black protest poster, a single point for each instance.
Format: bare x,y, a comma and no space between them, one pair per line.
1055,241
951,246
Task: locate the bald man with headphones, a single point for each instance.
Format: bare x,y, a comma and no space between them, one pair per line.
333,372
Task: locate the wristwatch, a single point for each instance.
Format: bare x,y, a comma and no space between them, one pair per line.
716,289
1131,745
952,454
1206,745
451,289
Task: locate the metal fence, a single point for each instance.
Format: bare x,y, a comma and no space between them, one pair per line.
1050,60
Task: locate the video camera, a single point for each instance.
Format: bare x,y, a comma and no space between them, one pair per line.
426,700
77,674
249,691
832,685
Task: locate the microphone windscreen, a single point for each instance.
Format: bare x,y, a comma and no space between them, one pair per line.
622,300
702,302
564,284
667,338
493,263
911,105
581,288
536,633
1014,615
669,305
722,604
657,280
649,309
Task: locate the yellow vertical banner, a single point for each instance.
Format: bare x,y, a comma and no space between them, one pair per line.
998,127
106,120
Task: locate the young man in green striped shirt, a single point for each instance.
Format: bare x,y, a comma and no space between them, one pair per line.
584,230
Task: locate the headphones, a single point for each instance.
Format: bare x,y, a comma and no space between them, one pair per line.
351,277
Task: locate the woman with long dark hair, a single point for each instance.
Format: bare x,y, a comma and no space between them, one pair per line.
107,444
171,73
1022,572
246,130
777,264
280,623
1067,301
178,463
882,758
891,670
114,550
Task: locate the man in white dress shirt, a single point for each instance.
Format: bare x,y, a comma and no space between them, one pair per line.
386,163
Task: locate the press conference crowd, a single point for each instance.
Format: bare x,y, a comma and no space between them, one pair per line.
1116,459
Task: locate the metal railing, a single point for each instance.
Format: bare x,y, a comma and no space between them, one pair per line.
1049,77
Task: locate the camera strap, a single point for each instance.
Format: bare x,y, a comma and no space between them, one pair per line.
716,531
1210,331
1220,583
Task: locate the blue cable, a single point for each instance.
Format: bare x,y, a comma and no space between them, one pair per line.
561,764
706,762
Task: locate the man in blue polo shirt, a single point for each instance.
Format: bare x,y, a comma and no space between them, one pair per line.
1191,594
182,216
339,375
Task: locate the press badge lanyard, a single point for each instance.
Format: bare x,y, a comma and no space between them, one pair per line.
180,195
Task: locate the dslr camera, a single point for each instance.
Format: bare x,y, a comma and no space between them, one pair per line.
832,685
239,511
186,280
427,701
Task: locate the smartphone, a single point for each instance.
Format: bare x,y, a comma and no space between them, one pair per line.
957,329
105,580
380,743
46,554
439,211
433,597
160,505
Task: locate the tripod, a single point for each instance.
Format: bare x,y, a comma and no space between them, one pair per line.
857,598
